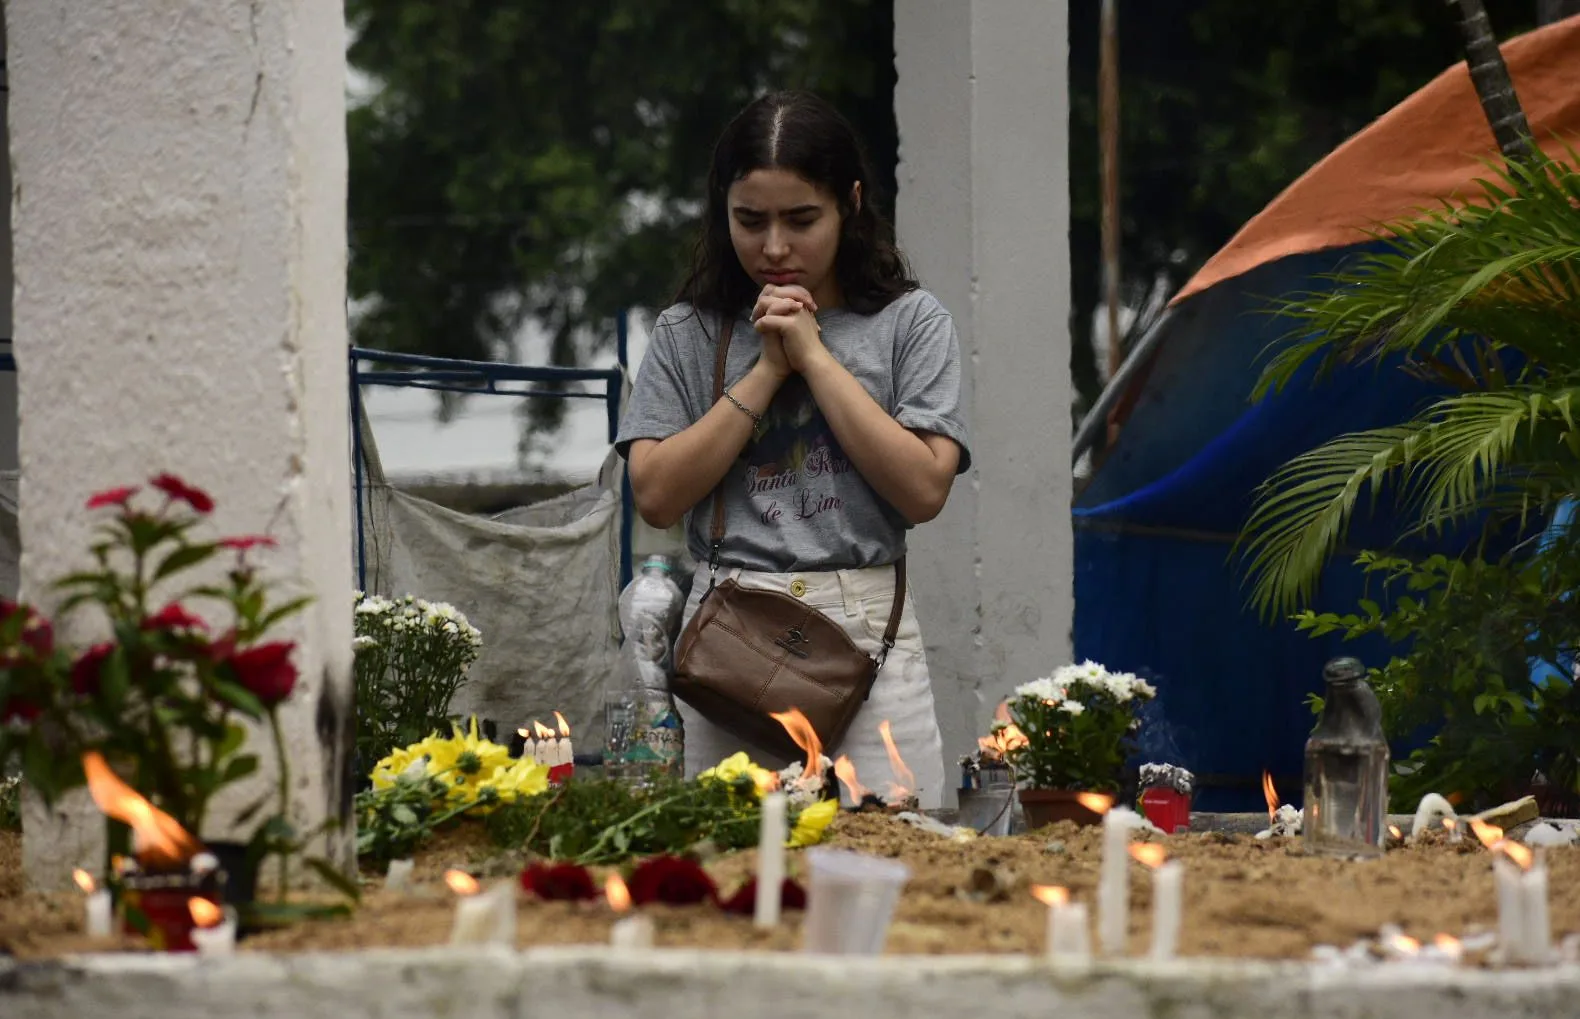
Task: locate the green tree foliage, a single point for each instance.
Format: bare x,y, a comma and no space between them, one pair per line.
538,160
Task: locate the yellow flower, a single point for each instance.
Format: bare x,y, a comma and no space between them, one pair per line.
463,761
737,766
392,767
521,778
811,823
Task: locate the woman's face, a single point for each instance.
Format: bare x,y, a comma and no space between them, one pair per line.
786,231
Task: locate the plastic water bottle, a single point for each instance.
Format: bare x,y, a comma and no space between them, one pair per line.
643,734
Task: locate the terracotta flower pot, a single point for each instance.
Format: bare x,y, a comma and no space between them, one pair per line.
1045,806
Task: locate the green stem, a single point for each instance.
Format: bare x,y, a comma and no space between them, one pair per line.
608,833
285,796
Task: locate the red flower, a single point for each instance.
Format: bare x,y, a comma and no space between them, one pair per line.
18,710
174,617
744,901
112,497
672,880
87,672
177,489
242,544
37,633
266,671
566,882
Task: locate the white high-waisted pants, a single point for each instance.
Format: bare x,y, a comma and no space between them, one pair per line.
859,600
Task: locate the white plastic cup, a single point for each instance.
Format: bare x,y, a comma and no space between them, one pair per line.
850,901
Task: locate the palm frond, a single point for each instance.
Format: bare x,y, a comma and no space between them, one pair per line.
1466,455
1502,267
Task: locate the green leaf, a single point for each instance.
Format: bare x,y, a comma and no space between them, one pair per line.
184,557
238,697
238,768
333,876
403,814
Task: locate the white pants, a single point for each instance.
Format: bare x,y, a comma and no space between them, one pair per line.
858,600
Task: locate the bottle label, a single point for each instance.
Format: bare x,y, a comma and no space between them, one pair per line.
658,741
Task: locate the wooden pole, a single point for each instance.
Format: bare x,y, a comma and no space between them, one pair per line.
1108,127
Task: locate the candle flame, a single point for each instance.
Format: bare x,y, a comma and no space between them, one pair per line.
543,731
1051,895
84,880
565,727
1003,739
800,729
157,836
845,771
1149,853
1393,829
617,893
1516,852
460,882
1097,803
524,732
1448,945
1489,834
1001,713
204,913
905,779
1449,824
1404,944
1270,794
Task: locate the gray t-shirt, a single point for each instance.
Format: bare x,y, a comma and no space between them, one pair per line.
793,501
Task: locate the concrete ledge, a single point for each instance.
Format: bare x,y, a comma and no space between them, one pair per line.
567,983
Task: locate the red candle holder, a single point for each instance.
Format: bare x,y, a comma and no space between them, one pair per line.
157,906
1166,808
561,773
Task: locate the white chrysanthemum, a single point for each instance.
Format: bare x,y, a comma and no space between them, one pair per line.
1072,707
363,643
1046,688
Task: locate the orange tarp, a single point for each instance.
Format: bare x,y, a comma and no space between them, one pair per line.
1428,148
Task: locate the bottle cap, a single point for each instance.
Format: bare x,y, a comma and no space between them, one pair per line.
658,562
1344,670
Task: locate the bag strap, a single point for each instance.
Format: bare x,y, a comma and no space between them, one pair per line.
716,531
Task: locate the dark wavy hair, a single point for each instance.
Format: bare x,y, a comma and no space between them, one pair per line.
802,133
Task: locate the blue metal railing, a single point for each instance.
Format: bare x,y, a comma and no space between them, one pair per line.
488,378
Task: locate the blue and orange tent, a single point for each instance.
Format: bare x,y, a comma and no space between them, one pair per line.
1156,590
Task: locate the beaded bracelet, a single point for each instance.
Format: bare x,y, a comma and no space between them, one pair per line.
757,418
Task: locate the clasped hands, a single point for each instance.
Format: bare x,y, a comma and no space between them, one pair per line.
792,339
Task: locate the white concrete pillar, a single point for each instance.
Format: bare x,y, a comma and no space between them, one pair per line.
178,214
983,214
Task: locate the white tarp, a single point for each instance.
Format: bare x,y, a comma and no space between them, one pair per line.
540,583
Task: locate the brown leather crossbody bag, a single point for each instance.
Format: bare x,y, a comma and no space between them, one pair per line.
748,653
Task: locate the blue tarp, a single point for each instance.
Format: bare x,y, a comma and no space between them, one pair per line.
1156,592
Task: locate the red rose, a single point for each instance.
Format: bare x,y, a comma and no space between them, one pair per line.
112,497
174,617
87,672
266,671
672,880
242,544
565,882
177,489
18,710
744,901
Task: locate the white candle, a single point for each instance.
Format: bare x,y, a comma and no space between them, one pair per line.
566,752
632,932
1067,937
98,915
1511,921
1113,885
398,877
771,838
219,939
1168,883
482,918
1537,939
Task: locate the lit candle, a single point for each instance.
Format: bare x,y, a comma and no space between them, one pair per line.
1511,920
630,932
567,753
1113,885
548,748
1524,926
481,918
1067,937
1168,885
771,838
215,933
97,904
1538,935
